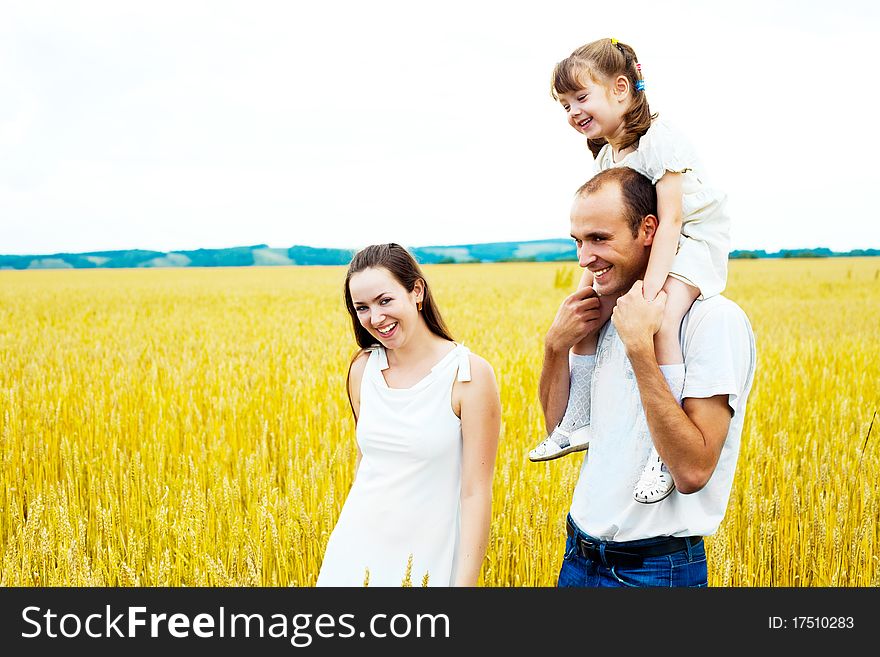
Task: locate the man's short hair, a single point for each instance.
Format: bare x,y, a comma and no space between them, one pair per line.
639,195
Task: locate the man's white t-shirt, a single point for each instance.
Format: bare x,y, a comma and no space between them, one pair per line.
719,359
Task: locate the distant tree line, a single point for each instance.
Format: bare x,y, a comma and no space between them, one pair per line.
820,252
243,256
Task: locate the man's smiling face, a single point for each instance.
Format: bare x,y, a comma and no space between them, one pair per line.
605,242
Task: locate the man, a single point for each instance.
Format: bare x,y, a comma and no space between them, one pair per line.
613,539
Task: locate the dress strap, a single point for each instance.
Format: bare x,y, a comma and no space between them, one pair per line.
464,364
381,356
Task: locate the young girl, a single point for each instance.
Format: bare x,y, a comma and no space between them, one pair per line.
601,88
428,416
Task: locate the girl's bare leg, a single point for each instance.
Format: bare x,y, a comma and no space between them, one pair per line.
679,298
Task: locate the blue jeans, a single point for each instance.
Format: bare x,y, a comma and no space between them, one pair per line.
684,568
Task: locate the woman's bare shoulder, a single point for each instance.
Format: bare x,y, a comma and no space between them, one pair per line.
358,365
482,371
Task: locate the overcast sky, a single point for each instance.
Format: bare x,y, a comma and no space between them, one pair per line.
179,125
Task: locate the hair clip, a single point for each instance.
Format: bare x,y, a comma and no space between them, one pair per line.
640,85
613,42
638,67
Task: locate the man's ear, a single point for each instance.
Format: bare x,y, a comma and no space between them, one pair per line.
649,229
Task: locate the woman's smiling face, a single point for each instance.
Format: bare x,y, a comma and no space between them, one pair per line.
384,307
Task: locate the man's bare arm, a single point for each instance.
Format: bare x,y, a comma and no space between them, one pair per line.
576,318
689,438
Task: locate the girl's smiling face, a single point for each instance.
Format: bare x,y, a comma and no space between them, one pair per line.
596,110
384,307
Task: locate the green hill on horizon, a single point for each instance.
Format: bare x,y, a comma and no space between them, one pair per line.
261,255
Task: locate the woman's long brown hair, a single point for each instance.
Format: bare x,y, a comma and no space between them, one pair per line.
403,266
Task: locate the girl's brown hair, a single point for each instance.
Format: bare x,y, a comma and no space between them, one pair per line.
602,61
401,264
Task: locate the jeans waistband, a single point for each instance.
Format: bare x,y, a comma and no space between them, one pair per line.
626,553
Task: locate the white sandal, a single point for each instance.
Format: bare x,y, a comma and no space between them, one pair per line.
561,442
655,483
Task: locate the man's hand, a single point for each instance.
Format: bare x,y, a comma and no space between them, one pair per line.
577,317
637,320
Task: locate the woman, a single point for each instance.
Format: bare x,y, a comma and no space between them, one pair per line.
428,417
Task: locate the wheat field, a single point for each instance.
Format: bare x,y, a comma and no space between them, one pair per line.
189,427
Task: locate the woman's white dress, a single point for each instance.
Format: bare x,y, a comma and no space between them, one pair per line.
405,500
